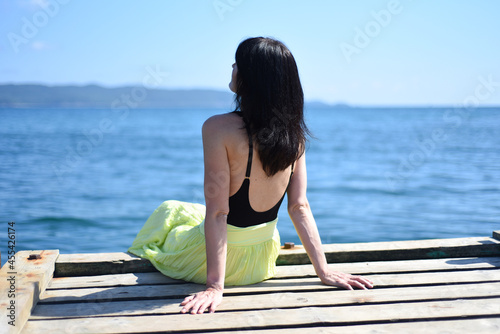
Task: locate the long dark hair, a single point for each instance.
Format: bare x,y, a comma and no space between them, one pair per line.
270,99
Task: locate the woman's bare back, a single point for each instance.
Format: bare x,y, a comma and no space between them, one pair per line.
264,191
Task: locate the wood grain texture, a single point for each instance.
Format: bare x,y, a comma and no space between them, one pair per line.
398,250
306,270
100,263
425,286
30,278
135,292
243,320
270,300
120,263
459,326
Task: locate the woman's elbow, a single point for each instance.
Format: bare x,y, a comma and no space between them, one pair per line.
217,213
298,207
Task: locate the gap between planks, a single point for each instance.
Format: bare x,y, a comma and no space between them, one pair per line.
359,268
469,326
298,299
307,316
136,292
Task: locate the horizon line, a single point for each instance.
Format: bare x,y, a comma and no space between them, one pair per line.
338,104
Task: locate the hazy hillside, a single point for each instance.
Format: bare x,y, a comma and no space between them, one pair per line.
92,96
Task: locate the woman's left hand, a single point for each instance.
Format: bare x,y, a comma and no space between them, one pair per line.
346,281
198,303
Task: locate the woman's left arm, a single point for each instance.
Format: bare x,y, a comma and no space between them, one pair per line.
303,220
216,187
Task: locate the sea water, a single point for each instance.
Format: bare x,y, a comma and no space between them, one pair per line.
86,180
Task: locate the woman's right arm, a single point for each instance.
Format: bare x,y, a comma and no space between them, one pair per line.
216,187
303,220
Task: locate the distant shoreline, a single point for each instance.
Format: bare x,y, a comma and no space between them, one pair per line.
30,96
37,96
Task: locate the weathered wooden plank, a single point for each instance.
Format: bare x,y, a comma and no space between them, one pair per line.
273,300
398,250
496,235
308,316
276,285
111,280
119,263
362,268
100,263
305,270
22,285
357,268
469,326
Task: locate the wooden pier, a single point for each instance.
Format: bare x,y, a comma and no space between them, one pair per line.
426,286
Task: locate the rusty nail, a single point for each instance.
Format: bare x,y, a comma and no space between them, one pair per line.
289,245
34,257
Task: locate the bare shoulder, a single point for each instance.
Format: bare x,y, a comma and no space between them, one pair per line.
222,125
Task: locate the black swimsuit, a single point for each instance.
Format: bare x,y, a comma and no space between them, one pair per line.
241,213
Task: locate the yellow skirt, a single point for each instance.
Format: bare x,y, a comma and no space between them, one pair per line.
173,240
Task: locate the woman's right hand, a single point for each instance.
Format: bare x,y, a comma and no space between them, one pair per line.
198,303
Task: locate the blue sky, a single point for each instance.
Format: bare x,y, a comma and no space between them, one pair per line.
439,52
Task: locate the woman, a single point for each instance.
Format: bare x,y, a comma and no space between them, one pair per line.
253,156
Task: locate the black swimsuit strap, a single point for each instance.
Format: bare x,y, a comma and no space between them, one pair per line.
241,213
250,153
